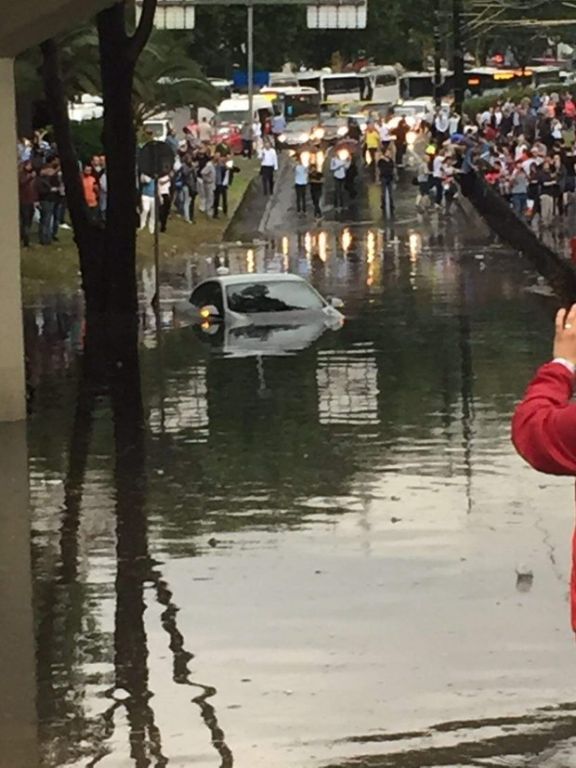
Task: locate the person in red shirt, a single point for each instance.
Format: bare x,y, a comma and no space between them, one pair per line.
544,424
91,193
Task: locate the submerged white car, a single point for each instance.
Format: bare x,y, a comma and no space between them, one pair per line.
264,300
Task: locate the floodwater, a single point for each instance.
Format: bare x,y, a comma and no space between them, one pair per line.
327,556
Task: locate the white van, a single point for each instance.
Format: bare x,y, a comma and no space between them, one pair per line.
235,111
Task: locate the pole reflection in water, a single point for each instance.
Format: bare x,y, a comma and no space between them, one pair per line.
18,722
110,367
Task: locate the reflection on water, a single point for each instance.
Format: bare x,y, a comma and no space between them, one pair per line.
212,559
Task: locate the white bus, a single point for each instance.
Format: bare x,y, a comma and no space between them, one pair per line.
385,83
337,87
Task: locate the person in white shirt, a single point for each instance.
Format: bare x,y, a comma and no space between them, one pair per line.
300,184
268,165
441,126
385,134
454,123
438,176
339,166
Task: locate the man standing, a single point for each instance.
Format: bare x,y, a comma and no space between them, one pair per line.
148,203
372,141
278,128
247,140
91,193
338,166
387,170
222,179
268,166
28,200
209,184
438,177
300,184
316,179
401,133
205,132
48,193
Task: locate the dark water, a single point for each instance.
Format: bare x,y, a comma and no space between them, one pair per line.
310,558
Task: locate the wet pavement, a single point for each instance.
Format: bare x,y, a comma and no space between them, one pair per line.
327,556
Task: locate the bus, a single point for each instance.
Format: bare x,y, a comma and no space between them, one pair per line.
415,85
282,80
385,83
337,87
495,79
293,102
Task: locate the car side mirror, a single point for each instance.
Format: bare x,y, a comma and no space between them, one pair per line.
210,312
336,303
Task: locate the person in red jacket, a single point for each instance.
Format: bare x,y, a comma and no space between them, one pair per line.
544,424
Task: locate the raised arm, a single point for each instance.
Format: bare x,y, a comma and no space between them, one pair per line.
544,424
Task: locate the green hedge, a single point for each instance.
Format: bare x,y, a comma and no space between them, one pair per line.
477,104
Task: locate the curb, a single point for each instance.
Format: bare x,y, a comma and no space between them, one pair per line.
282,172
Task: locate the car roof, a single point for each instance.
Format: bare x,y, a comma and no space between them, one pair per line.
248,277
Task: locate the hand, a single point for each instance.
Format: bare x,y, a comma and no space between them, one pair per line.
565,341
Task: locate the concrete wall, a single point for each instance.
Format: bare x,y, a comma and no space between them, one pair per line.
12,388
29,22
18,722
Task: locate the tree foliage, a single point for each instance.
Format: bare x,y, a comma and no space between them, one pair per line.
166,76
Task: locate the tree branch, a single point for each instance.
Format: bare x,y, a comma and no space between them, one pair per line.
144,28
54,89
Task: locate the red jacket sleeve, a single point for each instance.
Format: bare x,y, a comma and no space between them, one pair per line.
544,424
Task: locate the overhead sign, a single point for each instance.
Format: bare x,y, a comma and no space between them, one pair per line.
345,16
171,14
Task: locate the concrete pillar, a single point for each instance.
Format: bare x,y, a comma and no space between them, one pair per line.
12,382
18,719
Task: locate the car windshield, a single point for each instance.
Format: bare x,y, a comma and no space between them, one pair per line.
233,116
275,296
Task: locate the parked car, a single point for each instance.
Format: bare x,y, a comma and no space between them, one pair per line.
263,300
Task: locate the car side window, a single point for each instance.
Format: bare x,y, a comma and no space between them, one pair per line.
208,294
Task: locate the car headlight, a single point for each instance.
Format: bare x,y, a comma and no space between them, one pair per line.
318,133
282,137
342,131
304,137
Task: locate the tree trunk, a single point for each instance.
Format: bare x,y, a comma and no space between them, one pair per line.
117,68
89,238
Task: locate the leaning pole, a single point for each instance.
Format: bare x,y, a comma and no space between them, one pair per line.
558,271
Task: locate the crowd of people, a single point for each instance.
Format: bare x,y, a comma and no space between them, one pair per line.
526,152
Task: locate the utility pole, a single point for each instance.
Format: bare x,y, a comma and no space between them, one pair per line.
437,52
458,63
250,67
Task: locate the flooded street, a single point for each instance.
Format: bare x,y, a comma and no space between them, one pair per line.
327,552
